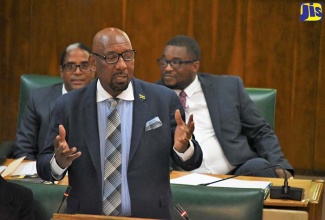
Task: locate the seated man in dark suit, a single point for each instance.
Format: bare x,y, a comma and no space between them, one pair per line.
76,73
234,137
16,201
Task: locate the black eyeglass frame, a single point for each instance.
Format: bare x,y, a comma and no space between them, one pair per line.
173,62
118,56
75,67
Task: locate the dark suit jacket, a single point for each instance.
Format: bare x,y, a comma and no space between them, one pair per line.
148,168
32,130
241,130
16,201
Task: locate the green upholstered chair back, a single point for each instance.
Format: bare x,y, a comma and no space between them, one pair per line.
33,81
47,198
265,100
27,83
211,203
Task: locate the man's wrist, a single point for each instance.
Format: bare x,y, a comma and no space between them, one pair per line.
56,170
188,153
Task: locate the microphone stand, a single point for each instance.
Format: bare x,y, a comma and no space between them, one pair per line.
65,195
276,192
181,212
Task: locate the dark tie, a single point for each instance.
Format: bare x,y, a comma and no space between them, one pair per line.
182,97
112,164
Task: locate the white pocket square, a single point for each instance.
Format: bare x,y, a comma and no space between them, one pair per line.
153,124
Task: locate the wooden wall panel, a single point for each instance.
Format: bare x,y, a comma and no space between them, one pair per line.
264,42
14,47
220,30
319,152
149,31
54,25
280,59
152,25
304,95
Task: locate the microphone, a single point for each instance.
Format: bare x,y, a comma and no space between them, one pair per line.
276,192
65,195
181,212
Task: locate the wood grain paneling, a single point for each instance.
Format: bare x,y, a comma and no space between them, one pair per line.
14,39
281,59
319,152
54,25
262,41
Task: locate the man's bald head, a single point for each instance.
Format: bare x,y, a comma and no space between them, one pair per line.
109,36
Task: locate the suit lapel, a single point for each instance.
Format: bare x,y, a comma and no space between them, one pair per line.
140,108
90,126
211,95
89,109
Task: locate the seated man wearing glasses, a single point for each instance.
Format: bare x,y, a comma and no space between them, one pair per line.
76,73
234,137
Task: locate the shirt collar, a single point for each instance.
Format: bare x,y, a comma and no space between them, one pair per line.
124,95
64,91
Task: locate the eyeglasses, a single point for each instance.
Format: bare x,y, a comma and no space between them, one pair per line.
174,63
72,67
113,57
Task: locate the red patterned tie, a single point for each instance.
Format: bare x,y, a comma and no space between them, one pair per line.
182,97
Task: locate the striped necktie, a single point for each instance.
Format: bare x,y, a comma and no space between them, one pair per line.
112,164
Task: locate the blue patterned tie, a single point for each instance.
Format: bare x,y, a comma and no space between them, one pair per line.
112,164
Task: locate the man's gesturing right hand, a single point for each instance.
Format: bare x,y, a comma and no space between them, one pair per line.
63,154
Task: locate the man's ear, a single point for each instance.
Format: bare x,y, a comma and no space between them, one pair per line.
92,63
196,66
61,71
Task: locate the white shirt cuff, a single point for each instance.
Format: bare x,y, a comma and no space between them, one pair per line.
187,154
56,170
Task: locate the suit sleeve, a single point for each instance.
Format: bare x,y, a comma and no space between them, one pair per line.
258,132
27,133
46,154
196,159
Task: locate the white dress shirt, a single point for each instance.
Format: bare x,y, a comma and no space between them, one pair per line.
214,160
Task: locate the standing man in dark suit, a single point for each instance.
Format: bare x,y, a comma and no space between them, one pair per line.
234,137
152,131
16,201
76,73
